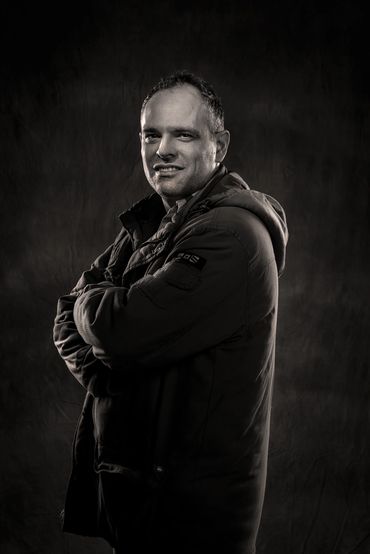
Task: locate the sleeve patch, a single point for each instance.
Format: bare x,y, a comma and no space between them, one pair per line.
191,259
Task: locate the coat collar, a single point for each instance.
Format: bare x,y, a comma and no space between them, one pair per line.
144,217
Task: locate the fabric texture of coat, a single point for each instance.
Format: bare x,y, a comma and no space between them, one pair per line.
172,334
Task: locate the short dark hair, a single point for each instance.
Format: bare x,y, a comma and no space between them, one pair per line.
206,90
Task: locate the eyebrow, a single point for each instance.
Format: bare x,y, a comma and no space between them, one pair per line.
173,130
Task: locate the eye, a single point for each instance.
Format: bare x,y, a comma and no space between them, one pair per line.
150,138
184,135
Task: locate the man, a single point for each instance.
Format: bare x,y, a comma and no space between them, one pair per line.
172,333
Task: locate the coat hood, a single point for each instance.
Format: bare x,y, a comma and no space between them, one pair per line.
231,190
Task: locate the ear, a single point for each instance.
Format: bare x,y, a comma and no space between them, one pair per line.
222,141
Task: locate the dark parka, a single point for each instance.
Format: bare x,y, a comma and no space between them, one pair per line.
172,333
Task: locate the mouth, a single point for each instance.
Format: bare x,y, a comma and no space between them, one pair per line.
166,169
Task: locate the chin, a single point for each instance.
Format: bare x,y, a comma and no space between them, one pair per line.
170,190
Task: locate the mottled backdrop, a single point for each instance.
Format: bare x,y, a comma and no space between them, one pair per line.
293,79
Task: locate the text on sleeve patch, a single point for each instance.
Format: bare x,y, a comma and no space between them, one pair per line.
191,259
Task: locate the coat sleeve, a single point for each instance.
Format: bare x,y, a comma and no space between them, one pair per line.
193,302
89,371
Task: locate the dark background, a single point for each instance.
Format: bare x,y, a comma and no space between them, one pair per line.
293,79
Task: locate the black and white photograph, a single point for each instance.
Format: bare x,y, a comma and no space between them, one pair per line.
184,277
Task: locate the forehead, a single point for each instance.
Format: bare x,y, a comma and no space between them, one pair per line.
175,107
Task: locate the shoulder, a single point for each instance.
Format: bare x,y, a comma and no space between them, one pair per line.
236,224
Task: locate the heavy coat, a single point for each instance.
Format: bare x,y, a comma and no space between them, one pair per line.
172,333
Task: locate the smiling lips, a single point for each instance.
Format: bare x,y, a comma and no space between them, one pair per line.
167,169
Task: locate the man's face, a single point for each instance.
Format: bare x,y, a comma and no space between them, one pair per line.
177,147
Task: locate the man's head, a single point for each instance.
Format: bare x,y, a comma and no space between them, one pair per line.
183,138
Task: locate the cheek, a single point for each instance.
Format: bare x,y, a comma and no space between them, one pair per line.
146,156
206,158
200,156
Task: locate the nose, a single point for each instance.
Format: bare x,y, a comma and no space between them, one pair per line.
166,148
